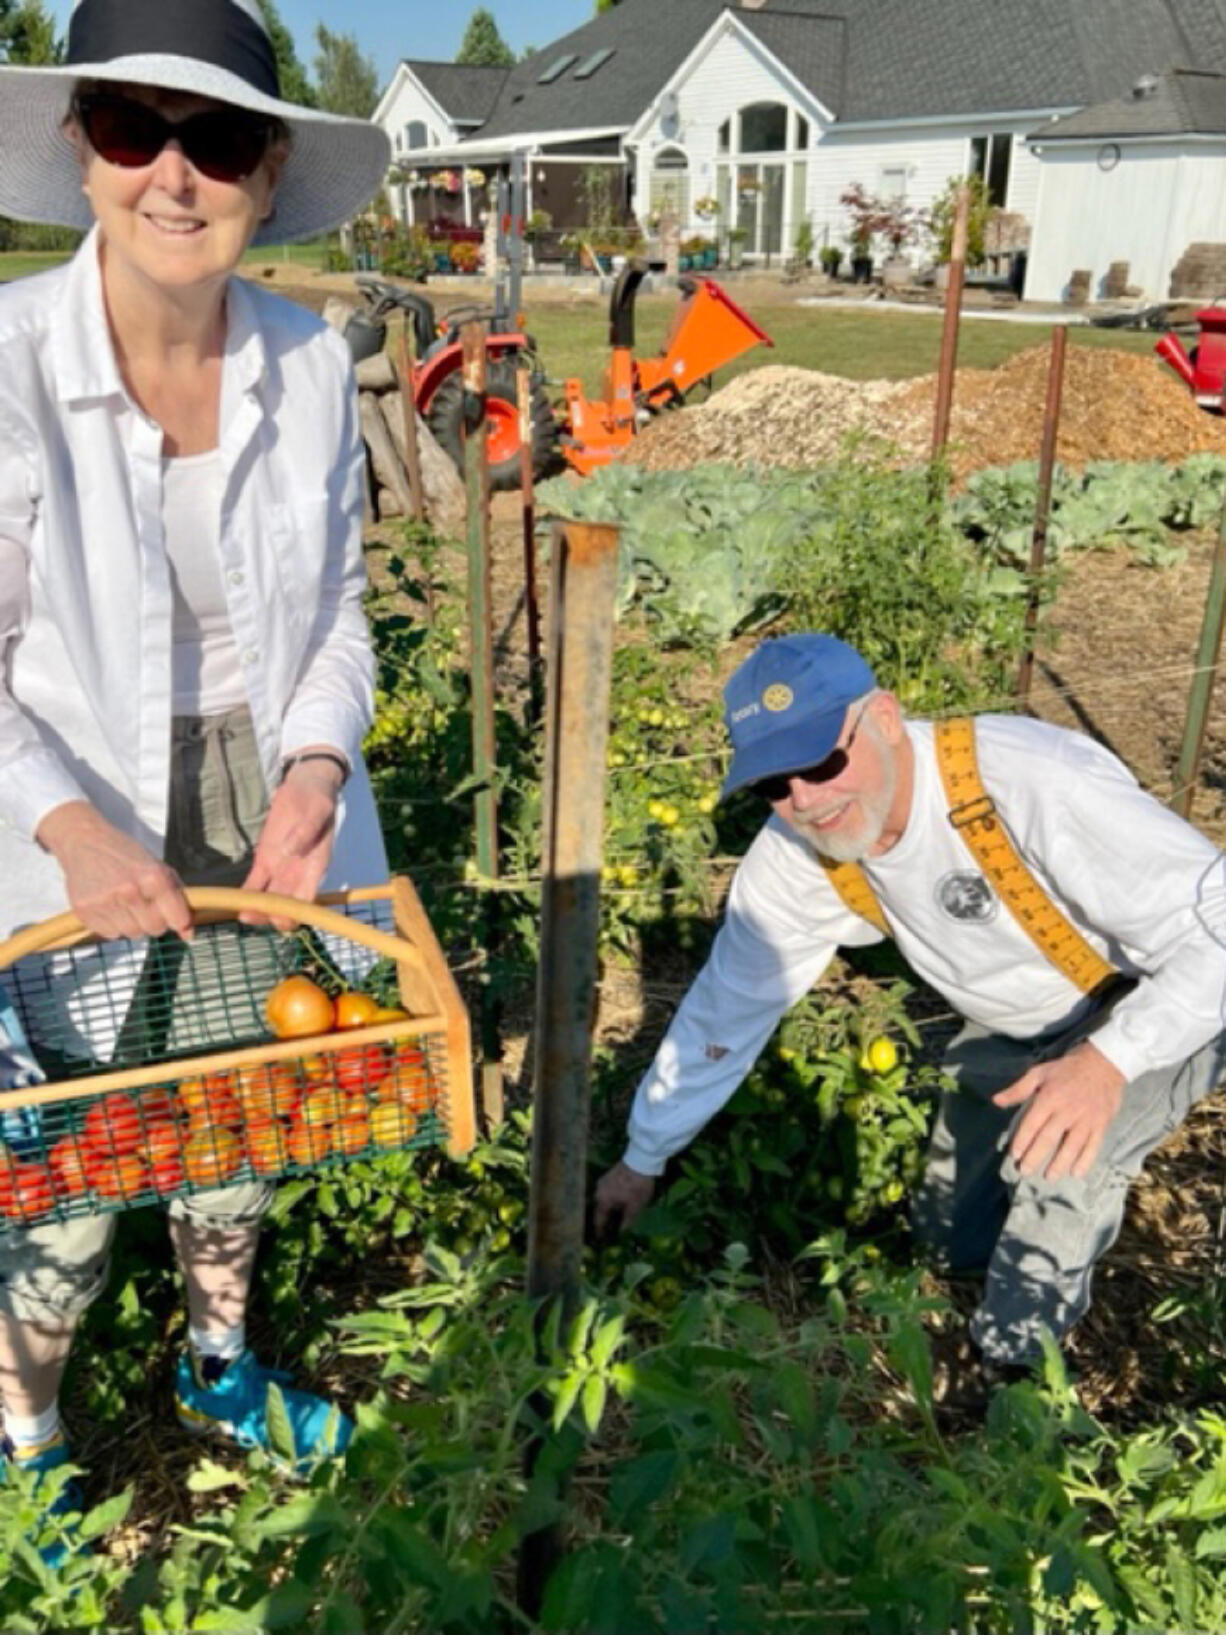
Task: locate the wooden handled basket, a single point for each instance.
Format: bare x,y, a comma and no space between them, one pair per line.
161,1076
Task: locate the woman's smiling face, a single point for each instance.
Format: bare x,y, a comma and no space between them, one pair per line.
166,221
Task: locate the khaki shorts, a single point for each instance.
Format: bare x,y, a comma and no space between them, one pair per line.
218,802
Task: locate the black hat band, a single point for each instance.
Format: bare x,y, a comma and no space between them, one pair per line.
218,32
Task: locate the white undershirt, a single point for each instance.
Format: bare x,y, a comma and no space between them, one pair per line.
207,674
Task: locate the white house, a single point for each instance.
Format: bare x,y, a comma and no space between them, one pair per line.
1137,179
775,107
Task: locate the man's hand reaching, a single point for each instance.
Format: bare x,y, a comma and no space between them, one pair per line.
1072,1102
623,1193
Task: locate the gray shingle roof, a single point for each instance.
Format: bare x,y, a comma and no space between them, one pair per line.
873,59
1184,100
464,91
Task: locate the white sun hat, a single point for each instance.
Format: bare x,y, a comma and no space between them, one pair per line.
214,48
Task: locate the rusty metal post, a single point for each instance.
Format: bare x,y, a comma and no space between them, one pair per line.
412,454
582,590
1042,505
481,663
953,315
1201,693
532,612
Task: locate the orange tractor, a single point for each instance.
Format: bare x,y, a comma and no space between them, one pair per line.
708,331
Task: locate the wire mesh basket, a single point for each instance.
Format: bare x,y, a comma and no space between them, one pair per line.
161,1074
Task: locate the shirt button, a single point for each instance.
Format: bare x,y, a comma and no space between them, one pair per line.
250,654
236,576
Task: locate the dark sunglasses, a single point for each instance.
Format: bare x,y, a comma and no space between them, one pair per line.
780,786
224,143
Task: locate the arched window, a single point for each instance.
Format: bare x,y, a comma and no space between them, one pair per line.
670,183
415,134
764,127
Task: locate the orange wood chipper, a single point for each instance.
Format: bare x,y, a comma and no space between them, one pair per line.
709,330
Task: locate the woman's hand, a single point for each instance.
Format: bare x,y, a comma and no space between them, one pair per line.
115,886
295,843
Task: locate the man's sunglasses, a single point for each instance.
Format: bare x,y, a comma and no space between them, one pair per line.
780,786
224,143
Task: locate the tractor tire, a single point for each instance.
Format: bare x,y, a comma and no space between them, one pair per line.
444,417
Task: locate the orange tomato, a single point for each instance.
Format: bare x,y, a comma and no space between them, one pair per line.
121,1178
392,1124
353,1134
211,1102
162,1144
113,1126
409,1081
316,1069
68,1160
269,1090
355,1010
308,1143
322,1106
267,1147
211,1156
297,1007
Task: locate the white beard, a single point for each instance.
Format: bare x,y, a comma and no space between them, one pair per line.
853,844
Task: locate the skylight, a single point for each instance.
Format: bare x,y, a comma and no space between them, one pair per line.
595,61
559,65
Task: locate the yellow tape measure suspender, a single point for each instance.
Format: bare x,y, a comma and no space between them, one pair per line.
973,814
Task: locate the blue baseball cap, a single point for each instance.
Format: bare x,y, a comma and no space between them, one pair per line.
784,708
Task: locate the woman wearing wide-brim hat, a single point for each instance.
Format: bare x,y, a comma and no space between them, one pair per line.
185,670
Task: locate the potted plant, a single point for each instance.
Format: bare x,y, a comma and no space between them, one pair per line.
864,213
940,223
831,259
899,224
465,258
706,208
736,245
803,243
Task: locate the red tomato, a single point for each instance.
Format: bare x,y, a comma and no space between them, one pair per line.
113,1126
32,1195
167,1175
69,1167
360,1067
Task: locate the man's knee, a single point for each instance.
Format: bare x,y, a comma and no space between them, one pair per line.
224,1209
50,1274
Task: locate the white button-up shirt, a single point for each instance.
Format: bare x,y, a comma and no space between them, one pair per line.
85,587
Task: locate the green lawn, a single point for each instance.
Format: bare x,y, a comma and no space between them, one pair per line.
20,263
862,345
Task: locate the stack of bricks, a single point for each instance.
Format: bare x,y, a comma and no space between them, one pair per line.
1200,273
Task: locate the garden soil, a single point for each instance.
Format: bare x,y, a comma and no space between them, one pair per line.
1116,406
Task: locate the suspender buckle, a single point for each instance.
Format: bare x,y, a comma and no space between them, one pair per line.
980,810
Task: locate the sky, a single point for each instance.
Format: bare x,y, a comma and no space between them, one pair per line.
387,30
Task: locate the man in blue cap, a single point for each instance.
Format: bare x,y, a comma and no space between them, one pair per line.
1077,925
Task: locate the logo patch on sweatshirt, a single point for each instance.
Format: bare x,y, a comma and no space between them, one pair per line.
967,896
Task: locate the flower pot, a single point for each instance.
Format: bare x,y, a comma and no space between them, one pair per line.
862,269
736,253
896,272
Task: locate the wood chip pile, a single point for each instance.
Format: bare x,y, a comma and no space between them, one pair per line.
1117,406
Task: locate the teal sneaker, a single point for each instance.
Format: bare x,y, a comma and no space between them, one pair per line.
231,1400
67,1502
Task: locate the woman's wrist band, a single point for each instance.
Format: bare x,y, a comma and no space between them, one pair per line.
337,760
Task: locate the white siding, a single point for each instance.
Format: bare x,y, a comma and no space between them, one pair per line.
930,154
732,73
407,101
1147,210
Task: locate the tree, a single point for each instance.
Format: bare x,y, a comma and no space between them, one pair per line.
606,5
347,81
295,86
27,34
482,44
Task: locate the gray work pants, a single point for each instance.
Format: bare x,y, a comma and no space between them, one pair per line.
1037,1241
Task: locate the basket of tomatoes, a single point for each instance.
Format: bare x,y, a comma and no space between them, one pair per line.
174,1067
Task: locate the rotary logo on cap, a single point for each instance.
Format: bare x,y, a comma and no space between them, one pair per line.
777,698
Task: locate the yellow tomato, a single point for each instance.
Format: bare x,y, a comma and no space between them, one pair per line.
881,1056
